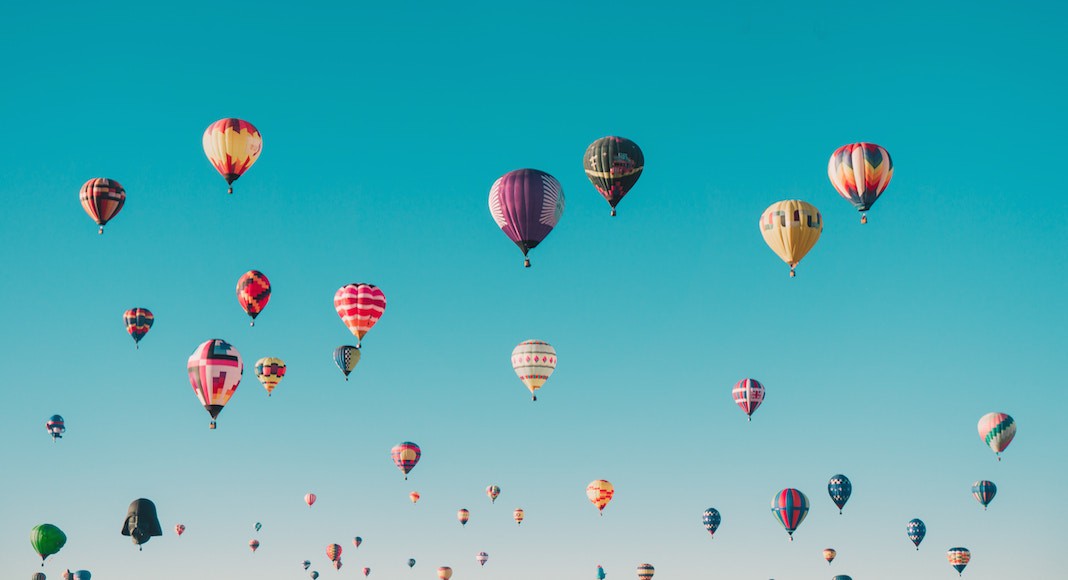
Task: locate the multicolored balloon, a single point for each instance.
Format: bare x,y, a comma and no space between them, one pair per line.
346,358
600,492
179,529
314,575
517,515
215,370
38,576
959,558
526,204
997,431
600,573
102,198
232,146
253,545
333,552
78,575
748,394
860,172
463,515
411,562
791,228
270,370
534,362
366,572
309,498
482,558
405,456
711,520
493,491
839,488
613,165
253,293
357,541
916,530
444,573
306,564
138,321
645,571
47,540
829,554
789,507
984,492
360,306
414,496
56,427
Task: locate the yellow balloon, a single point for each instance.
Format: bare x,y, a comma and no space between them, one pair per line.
600,492
790,228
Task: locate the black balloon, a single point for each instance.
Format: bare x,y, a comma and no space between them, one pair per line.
141,523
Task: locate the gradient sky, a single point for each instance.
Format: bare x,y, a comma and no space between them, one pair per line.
384,128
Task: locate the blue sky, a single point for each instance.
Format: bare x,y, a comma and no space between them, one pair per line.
384,128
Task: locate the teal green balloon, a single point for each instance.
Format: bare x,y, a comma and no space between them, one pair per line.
46,540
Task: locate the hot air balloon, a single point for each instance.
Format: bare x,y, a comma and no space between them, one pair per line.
38,576
253,293
270,370
600,492
959,558
860,172
414,496
829,554
102,199
346,358
56,427
600,573
984,492
357,541
258,526
306,564
482,558
711,520
842,577
46,540
179,529
748,394
309,498
444,573
411,562
790,507
337,564
790,229
314,575
997,430
613,165
232,146
82,575
142,523
645,571
253,545
333,552
366,572
493,491
463,515
839,488
138,321
405,456
534,361
360,306
215,370
916,530
517,515
526,204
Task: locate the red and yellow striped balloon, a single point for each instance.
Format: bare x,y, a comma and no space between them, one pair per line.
270,370
102,198
600,493
232,146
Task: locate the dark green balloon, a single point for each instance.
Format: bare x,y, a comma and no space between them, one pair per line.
46,540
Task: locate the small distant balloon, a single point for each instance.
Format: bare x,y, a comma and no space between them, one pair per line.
916,530
600,573
997,431
411,562
47,540
38,576
306,564
366,572
138,321
613,165
253,545
405,455
860,172
600,492
309,499
253,293
791,228
711,520
232,146
493,491
959,558
179,529
517,515
360,306
984,492
789,507
270,371
56,427
526,204
357,541
829,554
534,362
748,394
333,552
645,571
482,558
102,199
414,496
346,358
258,526
314,575
463,515
839,488
444,573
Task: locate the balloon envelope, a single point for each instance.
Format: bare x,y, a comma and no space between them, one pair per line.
357,541
56,427
102,198
444,573
253,293
860,172
839,488
360,307
482,558
142,523
463,516
47,540
600,492
789,507
309,499
997,431
232,146
613,165
333,552
534,362
405,455
179,529
253,545
414,496
791,228
645,571
829,554
518,515
138,321
916,530
984,492
748,394
527,205
215,369
270,370
958,558
493,491
346,358
711,520
411,562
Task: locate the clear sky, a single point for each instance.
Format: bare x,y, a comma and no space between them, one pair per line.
384,127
